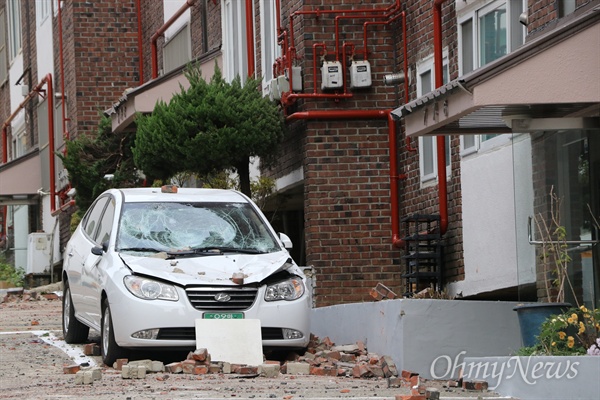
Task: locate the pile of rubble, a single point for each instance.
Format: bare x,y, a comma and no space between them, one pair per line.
322,358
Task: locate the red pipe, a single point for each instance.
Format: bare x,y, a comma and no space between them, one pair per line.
50,96
402,14
161,31
62,75
388,11
250,37
397,241
441,140
138,6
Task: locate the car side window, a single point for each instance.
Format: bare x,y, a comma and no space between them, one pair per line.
106,222
91,221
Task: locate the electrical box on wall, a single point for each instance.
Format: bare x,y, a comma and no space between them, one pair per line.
38,253
331,75
360,74
296,78
274,93
283,84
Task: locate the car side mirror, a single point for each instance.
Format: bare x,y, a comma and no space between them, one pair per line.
287,242
99,250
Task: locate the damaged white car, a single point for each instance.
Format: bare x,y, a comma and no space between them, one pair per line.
144,264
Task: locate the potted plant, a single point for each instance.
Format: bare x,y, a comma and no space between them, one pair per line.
554,262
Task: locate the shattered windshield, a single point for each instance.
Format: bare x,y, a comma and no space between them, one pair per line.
181,227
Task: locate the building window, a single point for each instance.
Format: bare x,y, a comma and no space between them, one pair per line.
235,52
566,7
42,11
427,144
3,55
488,32
14,27
269,48
177,51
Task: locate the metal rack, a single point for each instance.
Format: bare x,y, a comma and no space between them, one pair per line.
424,253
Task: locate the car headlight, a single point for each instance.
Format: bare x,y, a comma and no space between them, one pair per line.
290,289
149,289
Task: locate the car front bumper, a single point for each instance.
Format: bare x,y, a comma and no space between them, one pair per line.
175,320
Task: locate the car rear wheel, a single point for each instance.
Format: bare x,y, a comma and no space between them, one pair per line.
73,330
110,350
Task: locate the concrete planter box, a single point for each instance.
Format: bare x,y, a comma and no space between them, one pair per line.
430,337
539,377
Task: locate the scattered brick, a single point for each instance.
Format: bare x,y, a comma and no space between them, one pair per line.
432,394
71,369
475,385
119,363
91,349
199,355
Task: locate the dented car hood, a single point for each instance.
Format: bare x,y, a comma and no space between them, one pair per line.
222,269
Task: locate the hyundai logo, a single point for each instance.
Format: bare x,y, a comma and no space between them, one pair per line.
222,297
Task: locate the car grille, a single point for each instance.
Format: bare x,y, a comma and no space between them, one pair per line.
190,334
205,298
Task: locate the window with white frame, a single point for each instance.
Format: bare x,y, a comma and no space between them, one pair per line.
177,51
488,31
3,55
42,10
14,28
18,143
235,51
428,144
269,48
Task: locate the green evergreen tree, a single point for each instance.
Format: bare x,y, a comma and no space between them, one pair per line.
209,127
89,158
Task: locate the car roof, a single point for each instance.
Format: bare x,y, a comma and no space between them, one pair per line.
153,194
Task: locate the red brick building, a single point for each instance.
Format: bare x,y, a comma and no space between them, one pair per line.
363,88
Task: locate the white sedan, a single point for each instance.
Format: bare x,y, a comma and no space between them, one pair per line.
144,264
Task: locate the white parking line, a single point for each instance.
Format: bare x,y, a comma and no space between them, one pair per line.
75,353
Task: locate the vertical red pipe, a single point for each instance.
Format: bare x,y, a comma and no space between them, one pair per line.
397,241
50,97
62,73
250,36
138,6
441,140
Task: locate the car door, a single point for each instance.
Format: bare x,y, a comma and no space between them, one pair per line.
78,250
93,267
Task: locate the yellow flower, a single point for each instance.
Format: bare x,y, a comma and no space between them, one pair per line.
554,344
574,316
570,342
582,308
586,315
562,335
570,320
581,328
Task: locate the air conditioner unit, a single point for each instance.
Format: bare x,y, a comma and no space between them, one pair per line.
38,253
331,75
360,74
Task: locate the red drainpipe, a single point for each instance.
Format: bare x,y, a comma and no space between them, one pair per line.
161,31
250,37
138,6
393,147
62,75
441,140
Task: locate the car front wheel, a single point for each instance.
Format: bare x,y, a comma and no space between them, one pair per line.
73,330
111,351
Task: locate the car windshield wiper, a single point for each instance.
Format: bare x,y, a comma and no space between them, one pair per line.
223,249
141,249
